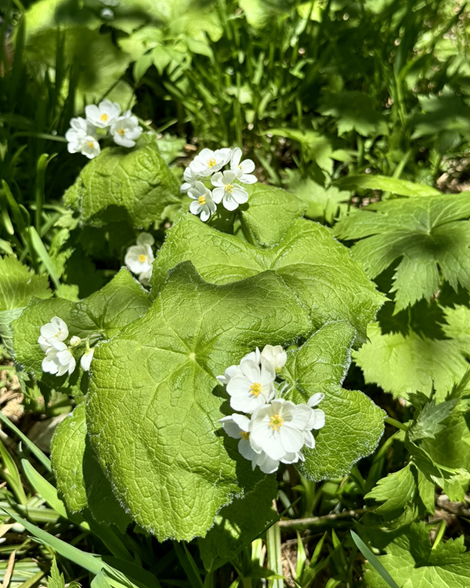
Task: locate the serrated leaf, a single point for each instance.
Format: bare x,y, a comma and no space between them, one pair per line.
80,479
56,579
238,524
353,423
158,437
431,419
322,203
404,364
410,559
18,284
395,491
429,236
123,184
317,269
105,312
263,217
353,111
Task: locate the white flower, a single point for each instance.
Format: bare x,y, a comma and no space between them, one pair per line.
55,330
126,130
90,147
252,386
139,259
230,372
252,356
243,169
207,162
145,239
59,360
107,14
231,195
104,115
282,428
86,358
275,355
190,179
238,426
75,341
81,138
203,203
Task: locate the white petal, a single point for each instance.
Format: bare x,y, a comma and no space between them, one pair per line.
292,439
228,202
230,427
315,399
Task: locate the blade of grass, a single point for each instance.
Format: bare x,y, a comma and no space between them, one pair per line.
373,560
38,454
43,255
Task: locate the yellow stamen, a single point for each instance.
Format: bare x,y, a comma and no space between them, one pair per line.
276,422
104,117
244,435
122,132
142,258
201,200
91,145
229,188
211,162
255,389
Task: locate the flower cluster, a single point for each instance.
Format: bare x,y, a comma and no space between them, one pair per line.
276,429
139,258
59,357
227,188
84,133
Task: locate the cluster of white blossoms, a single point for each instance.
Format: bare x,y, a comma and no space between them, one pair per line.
276,429
139,258
227,188
84,133
59,358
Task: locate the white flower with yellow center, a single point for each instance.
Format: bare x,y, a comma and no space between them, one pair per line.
104,115
282,428
59,360
55,330
203,203
226,191
139,258
86,358
238,426
126,130
207,162
90,147
242,169
275,355
252,386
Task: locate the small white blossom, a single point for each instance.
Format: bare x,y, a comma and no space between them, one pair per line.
238,426
86,358
275,355
203,203
145,239
225,191
90,147
144,277
252,386
107,14
75,341
55,330
242,170
139,258
190,179
282,428
207,162
104,115
59,360
126,130
81,138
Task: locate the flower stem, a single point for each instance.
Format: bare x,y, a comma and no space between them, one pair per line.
396,424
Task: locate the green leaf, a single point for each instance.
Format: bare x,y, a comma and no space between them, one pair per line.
158,437
123,184
317,147
105,312
457,326
238,524
443,113
353,111
317,269
410,558
56,579
386,184
322,203
402,364
431,419
262,217
80,479
353,423
429,236
18,284
374,562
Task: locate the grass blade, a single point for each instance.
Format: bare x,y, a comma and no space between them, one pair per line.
373,560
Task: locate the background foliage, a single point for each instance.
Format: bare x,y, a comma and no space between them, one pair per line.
361,110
